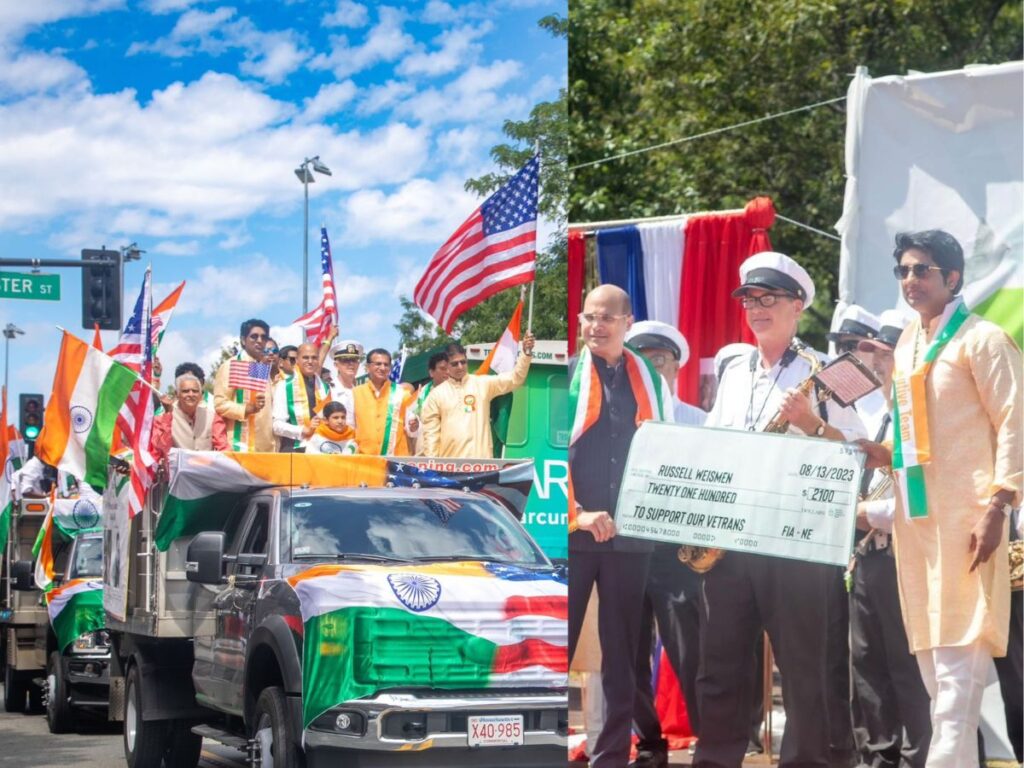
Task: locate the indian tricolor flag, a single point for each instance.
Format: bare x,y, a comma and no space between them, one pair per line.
502,357
88,391
75,608
443,625
12,456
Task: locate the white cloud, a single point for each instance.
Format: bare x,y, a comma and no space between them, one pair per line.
270,56
31,72
180,164
460,147
235,239
382,97
469,97
420,211
347,14
455,46
170,6
385,42
255,285
18,16
174,248
328,100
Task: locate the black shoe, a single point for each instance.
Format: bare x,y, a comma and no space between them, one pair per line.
649,758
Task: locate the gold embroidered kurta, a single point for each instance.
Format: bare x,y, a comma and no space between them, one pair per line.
974,419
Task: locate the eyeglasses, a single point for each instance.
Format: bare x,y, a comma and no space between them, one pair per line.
766,300
591,318
257,336
902,271
270,351
457,363
292,359
659,360
847,346
379,363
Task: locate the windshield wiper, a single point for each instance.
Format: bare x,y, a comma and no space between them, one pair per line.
350,556
470,558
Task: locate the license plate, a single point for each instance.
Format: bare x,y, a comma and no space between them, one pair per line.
495,730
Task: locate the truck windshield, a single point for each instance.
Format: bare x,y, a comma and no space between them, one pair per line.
88,558
409,528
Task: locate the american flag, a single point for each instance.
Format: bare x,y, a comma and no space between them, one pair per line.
135,419
245,374
443,508
395,377
318,321
494,249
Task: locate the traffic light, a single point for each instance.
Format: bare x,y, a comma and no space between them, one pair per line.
30,414
101,290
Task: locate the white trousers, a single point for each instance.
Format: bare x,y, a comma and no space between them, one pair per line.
955,678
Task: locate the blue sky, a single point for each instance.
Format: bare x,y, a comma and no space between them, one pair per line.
177,124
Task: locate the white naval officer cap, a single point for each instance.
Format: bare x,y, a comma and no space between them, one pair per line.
772,270
654,334
855,321
892,323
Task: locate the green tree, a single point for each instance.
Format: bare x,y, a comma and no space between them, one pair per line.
645,72
546,127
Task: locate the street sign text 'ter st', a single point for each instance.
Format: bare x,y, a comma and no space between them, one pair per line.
18,285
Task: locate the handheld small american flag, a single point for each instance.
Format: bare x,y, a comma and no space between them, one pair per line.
318,321
494,249
245,374
395,377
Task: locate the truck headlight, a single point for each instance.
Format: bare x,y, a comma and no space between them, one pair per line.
92,642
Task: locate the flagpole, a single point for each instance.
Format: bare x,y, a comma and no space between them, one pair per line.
529,310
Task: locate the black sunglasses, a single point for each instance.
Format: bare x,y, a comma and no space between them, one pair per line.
902,271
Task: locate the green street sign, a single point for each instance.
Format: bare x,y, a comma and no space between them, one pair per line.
18,285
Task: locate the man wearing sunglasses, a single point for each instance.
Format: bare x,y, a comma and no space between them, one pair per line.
457,413
746,593
289,358
956,453
247,414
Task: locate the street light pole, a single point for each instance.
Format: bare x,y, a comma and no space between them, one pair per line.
10,331
306,177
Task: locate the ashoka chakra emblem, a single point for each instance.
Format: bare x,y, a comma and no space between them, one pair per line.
85,514
81,419
328,447
416,591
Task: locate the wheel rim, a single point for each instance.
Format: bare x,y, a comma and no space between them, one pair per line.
265,738
131,720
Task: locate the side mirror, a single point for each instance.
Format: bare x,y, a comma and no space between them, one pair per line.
204,559
22,577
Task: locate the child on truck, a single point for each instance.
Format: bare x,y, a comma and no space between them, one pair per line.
333,435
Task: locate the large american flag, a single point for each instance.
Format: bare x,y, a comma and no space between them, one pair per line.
135,419
318,321
494,249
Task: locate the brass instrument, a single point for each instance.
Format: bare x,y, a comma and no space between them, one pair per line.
1016,550
703,559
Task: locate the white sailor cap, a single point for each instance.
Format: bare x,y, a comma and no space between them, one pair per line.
892,323
855,321
654,334
771,270
349,349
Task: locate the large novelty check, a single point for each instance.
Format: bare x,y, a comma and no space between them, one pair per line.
770,494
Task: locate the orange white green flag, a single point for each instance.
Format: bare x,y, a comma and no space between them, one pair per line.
89,389
502,357
12,456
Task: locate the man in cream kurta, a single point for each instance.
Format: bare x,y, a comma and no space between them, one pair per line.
950,536
457,414
248,415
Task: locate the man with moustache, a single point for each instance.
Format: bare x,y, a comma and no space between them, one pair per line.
957,454
612,390
746,593
381,409
298,401
247,414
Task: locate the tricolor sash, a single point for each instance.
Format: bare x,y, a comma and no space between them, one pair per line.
298,400
911,441
393,423
422,397
585,394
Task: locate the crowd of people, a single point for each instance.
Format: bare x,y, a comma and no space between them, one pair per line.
304,408
882,663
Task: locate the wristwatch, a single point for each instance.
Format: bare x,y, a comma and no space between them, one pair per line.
820,429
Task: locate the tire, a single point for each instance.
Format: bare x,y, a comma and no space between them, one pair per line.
14,691
145,742
60,717
275,732
35,699
183,746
